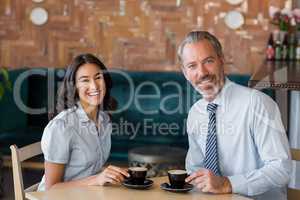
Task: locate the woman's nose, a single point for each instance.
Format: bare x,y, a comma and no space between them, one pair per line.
93,84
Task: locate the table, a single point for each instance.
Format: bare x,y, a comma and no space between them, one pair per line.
117,192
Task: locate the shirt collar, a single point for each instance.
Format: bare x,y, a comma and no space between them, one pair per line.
220,98
83,117
81,113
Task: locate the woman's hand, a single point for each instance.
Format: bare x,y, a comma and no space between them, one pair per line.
111,174
54,174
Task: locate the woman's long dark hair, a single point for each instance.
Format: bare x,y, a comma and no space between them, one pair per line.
67,96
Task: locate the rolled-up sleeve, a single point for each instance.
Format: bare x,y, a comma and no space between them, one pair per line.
56,142
272,145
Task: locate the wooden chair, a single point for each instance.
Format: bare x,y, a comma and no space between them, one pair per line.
18,155
294,194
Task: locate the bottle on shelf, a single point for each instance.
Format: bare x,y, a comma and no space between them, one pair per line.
284,48
298,49
278,50
270,51
292,47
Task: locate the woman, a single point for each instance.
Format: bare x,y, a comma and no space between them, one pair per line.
76,143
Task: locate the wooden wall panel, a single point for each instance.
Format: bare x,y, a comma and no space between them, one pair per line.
128,34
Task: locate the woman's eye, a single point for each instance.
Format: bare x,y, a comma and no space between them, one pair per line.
99,77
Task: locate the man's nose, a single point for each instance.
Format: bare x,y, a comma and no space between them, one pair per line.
202,70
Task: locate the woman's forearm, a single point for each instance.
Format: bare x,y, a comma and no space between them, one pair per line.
91,180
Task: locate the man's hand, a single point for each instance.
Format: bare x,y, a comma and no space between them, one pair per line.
206,181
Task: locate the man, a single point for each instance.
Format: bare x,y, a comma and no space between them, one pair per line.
237,143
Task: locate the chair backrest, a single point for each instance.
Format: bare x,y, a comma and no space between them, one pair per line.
18,155
294,194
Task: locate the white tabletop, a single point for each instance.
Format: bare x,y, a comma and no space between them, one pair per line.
119,192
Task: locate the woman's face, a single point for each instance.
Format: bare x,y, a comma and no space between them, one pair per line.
90,85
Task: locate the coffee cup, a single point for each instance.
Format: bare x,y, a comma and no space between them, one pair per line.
177,178
137,175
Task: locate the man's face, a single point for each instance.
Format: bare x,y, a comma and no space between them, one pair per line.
203,68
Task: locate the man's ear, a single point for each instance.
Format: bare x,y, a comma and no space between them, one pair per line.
183,69
184,72
222,58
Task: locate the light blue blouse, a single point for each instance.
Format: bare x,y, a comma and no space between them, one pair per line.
71,138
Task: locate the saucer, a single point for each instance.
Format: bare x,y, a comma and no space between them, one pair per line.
166,186
147,183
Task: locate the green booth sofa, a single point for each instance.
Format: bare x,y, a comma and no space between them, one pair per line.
151,108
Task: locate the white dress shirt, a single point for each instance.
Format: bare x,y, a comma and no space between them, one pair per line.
253,148
71,138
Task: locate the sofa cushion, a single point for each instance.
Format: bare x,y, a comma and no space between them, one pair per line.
20,137
43,83
11,114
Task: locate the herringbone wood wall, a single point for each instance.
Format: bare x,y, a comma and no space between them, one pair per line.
128,34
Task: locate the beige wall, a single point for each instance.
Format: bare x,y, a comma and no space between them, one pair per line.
128,34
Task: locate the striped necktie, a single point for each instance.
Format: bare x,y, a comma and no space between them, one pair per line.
211,150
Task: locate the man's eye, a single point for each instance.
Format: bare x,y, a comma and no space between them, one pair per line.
191,66
85,80
210,61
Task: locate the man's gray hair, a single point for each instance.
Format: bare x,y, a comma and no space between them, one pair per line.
196,36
